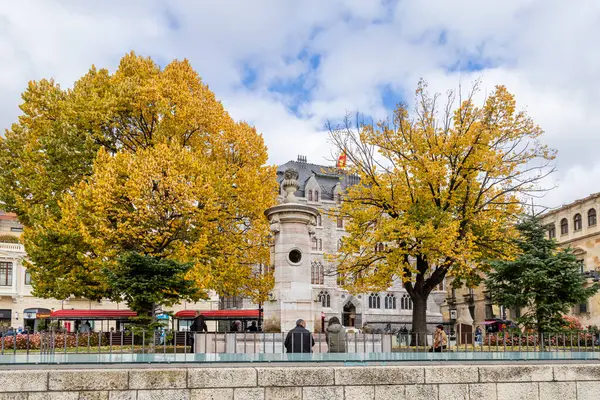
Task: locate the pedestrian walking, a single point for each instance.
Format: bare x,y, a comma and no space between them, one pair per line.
440,340
199,325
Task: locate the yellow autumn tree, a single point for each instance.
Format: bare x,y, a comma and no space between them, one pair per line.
143,160
440,191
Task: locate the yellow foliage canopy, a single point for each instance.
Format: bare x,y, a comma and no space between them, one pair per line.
146,160
438,194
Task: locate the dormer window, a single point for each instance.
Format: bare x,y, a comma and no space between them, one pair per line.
309,197
316,195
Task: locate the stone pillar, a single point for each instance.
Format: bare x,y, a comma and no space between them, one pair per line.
292,225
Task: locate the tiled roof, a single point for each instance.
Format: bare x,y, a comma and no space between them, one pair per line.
327,177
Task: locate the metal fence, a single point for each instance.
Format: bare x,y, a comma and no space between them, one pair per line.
170,342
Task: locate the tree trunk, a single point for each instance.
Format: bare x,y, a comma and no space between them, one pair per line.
419,320
419,291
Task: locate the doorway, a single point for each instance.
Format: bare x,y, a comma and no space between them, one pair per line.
349,315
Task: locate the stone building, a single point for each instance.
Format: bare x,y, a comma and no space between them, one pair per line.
20,309
472,306
321,187
575,225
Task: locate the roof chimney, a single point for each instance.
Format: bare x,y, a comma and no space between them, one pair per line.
301,158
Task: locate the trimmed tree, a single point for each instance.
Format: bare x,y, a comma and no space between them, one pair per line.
544,281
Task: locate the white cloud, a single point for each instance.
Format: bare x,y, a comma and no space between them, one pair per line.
543,51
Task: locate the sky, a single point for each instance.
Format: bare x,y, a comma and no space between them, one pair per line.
288,67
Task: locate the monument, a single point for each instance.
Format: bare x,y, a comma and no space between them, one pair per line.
292,225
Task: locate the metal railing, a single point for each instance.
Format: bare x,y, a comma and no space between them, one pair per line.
170,342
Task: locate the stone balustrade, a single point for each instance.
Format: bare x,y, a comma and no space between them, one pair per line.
448,382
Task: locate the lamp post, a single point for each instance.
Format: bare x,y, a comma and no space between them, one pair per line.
260,305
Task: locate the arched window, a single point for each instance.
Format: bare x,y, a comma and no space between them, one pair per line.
406,303
592,217
340,222
314,243
564,226
551,231
309,197
374,300
316,195
317,273
319,220
320,244
577,222
325,298
390,301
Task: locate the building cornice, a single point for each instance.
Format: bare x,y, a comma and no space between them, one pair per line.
570,205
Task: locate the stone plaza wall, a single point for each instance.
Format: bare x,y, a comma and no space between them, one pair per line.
477,382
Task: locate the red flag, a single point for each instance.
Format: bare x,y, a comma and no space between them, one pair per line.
341,162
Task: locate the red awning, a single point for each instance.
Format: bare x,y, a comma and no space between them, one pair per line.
92,314
218,314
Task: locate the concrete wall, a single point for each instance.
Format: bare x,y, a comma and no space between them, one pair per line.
494,382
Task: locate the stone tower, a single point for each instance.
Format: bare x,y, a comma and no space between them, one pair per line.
292,225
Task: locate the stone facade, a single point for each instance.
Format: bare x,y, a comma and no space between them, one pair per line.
18,308
320,187
465,382
471,304
575,225
292,226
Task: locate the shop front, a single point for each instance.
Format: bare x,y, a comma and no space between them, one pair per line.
35,319
5,320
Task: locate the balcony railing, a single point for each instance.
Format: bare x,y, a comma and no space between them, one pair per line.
593,275
12,247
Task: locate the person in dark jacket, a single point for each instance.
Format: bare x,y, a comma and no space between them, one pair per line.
199,325
299,339
335,336
253,327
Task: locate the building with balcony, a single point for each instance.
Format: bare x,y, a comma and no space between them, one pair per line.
20,309
575,225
